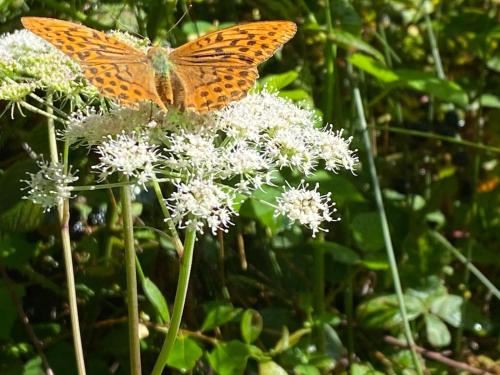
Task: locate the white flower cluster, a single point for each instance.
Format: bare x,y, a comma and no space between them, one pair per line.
30,62
216,160
49,186
131,154
306,206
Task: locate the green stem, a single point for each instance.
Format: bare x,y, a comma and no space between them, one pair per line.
170,224
319,295
434,46
63,209
385,229
444,138
180,300
133,307
330,55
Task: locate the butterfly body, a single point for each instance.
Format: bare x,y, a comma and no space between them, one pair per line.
201,75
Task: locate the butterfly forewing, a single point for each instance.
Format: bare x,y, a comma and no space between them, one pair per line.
118,70
241,45
221,67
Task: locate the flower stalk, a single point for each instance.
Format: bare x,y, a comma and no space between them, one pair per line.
63,210
130,268
180,300
385,229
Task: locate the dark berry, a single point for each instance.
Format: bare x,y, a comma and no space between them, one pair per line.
96,217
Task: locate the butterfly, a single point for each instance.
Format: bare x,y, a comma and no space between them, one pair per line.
205,74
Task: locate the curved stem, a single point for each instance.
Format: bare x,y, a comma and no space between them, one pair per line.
133,307
63,210
385,229
180,300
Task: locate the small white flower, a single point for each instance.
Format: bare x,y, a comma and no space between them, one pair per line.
334,149
130,154
201,200
141,44
49,186
306,206
90,126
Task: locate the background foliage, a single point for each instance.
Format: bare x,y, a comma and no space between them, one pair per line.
266,297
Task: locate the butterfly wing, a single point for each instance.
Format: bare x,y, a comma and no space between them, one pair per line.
221,66
118,70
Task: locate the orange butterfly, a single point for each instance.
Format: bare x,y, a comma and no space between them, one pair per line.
202,75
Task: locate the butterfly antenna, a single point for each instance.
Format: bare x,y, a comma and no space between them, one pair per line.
186,12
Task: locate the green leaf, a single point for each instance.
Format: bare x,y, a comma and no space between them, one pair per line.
373,67
251,325
25,216
362,369
33,367
448,308
350,41
446,90
219,314
438,334
338,252
343,189
287,341
276,82
271,368
306,370
157,300
229,358
489,100
254,208
367,231
8,311
184,354
383,311
15,251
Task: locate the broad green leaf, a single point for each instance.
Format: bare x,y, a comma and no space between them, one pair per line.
288,340
15,251
219,314
306,370
8,311
157,300
254,208
438,334
251,325
362,369
383,311
429,83
489,100
276,82
448,308
338,252
343,189
25,216
229,358
350,41
373,67
184,354
33,367
271,368
367,231
334,347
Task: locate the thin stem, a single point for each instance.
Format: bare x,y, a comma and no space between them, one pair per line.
467,263
63,209
132,303
330,56
319,295
170,224
444,138
49,113
180,300
434,46
385,230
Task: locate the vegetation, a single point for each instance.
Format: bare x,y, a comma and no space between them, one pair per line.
405,283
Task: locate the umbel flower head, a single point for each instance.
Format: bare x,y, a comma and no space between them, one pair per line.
49,186
213,161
